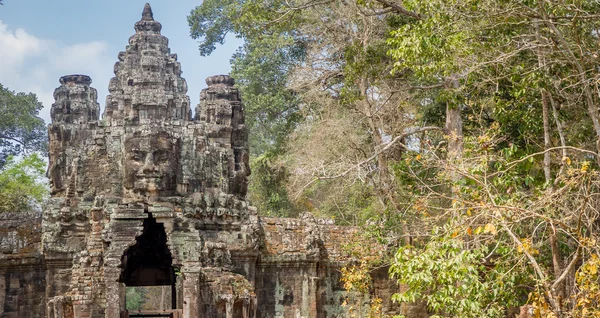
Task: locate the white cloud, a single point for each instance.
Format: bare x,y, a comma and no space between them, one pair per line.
32,64
16,47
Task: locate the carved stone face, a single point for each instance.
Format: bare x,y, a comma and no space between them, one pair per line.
151,164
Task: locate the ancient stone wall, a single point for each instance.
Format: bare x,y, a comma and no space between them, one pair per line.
22,273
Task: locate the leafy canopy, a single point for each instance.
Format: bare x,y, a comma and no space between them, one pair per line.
261,68
23,184
22,131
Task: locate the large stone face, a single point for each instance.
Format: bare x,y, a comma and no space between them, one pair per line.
149,195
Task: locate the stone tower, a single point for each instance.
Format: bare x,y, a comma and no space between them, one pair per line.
147,84
149,196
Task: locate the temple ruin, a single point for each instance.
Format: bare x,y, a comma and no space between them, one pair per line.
148,195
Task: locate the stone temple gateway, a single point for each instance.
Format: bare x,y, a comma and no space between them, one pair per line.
149,196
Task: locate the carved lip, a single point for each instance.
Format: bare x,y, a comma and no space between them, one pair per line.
76,78
148,176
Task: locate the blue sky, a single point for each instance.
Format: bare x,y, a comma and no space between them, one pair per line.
41,40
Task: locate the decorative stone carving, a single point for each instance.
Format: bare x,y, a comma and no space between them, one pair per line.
216,255
151,163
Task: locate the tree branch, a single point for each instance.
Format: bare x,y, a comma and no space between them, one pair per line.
568,269
13,139
399,9
513,163
372,157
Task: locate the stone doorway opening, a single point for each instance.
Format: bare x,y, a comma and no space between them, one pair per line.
148,273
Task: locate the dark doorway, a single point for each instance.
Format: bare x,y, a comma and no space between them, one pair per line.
149,261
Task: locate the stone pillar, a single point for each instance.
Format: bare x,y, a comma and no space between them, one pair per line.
113,292
229,308
191,291
246,308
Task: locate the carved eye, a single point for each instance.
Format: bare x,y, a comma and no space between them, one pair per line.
137,155
161,156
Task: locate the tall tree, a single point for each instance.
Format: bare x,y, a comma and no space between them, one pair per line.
22,131
261,68
23,185
515,62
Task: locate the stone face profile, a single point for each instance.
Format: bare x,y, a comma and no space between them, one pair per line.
148,195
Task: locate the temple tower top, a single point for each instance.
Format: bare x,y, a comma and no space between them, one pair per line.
147,85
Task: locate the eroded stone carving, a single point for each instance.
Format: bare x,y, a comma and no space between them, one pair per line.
151,163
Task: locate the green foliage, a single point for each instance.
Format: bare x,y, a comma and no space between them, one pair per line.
23,185
135,297
425,45
261,68
346,204
211,21
21,130
498,218
267,187
328,84
452,280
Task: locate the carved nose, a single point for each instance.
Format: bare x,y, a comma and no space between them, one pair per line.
148,166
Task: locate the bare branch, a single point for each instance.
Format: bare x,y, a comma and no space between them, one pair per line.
372,157
514,163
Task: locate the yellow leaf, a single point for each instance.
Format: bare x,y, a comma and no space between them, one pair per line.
490,228
585,166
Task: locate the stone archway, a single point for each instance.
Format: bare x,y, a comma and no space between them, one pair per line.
148,263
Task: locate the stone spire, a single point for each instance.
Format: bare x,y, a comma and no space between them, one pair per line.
147,13
147,85
74,111
147,23
75,101
222,112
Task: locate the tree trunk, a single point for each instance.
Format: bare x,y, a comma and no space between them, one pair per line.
559,128
547,172
454,132
559,292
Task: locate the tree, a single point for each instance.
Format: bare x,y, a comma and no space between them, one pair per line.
23,185
505,197
22,131
301,69
514,63
261,68
136,297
